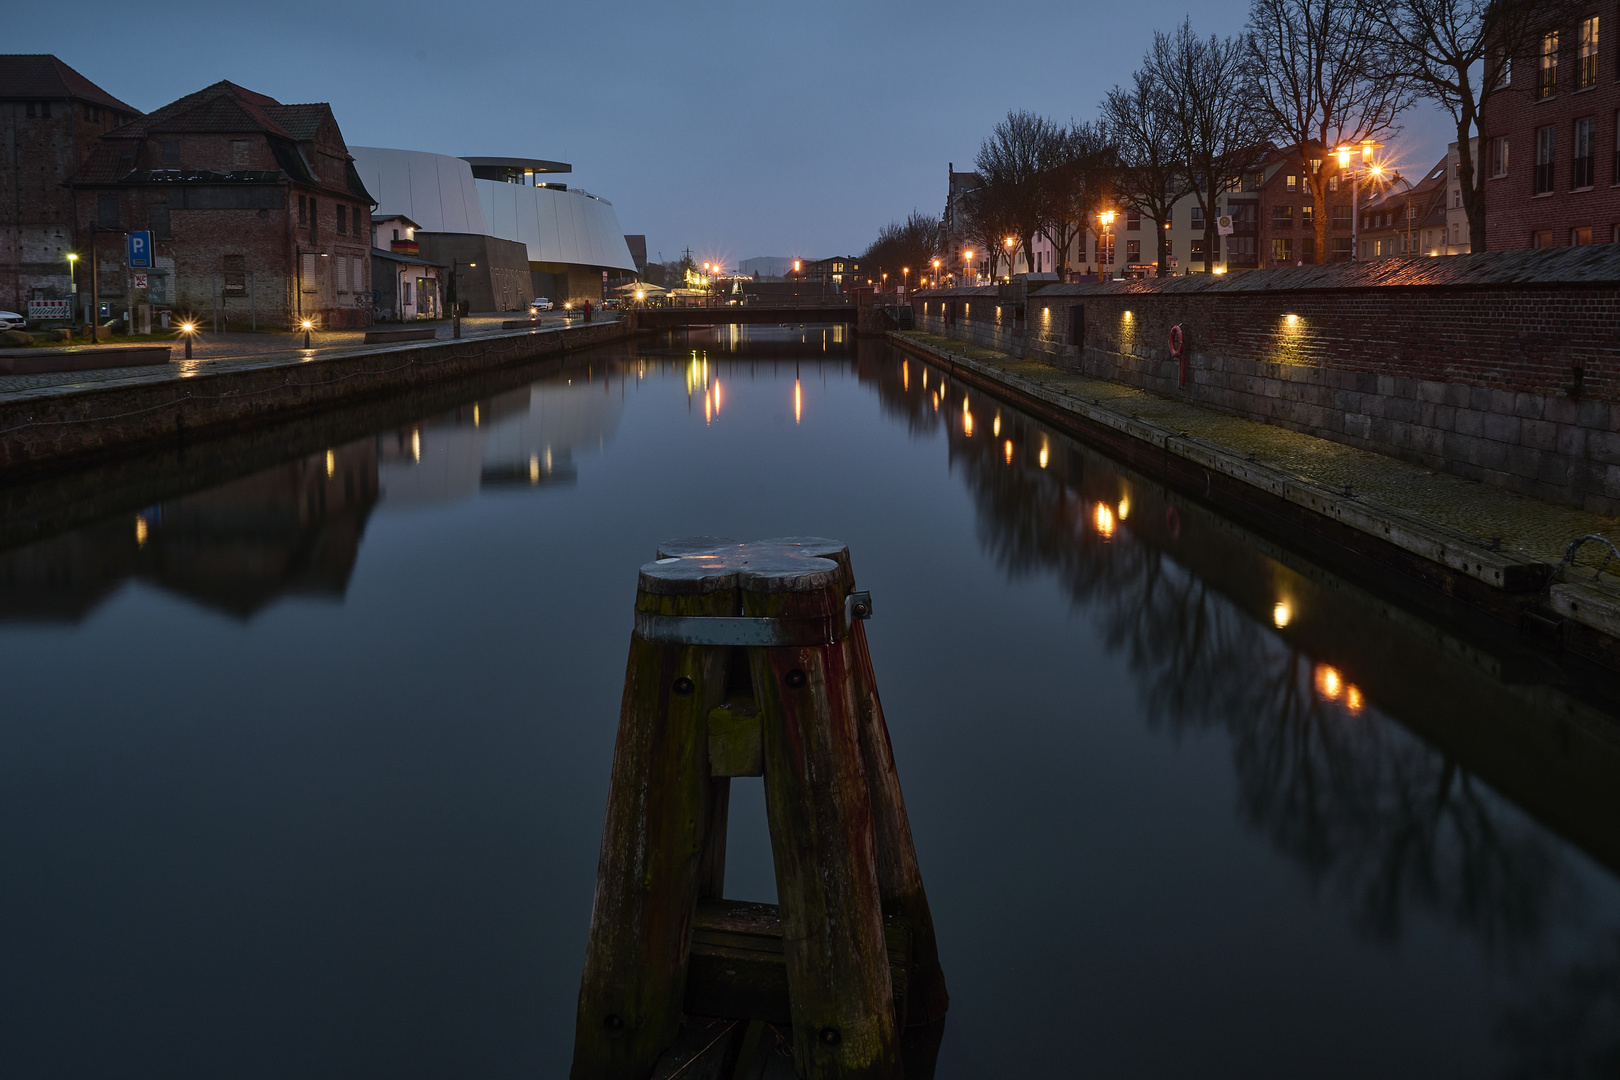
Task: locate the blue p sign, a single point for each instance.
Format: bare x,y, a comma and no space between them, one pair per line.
140,250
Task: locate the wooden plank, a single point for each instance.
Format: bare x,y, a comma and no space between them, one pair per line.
648,875
735,747
816,797
738,965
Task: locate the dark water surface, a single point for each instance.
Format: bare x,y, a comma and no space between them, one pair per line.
306,740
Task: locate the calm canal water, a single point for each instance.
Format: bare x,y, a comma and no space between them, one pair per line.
307,736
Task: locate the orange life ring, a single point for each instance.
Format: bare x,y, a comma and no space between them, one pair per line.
1178,341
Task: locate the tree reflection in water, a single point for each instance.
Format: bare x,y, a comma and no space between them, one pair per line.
1372,813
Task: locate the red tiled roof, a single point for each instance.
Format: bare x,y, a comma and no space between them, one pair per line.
300,121
41,75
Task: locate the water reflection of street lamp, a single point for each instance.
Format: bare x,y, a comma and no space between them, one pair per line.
1346,153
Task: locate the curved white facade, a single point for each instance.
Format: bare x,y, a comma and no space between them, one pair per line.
436,191
440,194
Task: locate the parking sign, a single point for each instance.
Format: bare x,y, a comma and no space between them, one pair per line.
140,250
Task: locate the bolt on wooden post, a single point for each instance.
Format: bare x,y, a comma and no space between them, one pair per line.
750,659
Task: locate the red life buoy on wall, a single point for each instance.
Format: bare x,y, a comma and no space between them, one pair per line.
1178,350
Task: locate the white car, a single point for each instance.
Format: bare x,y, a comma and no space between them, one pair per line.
10,320
538,304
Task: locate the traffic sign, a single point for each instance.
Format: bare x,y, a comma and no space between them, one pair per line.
140,250
140,281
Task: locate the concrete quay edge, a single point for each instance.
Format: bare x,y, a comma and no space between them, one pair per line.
1517,580
51,427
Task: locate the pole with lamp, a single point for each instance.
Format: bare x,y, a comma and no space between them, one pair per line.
936,273
1105,253
455,296
967,261
1008,244
905,276
73,276
1368,169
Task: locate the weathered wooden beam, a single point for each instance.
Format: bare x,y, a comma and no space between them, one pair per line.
659,808
820,812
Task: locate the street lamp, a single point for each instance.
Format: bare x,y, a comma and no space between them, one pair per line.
1105,254
306,325
1346,153
73,278
905,273
1008,243
936,271
455,296
188,330
967,261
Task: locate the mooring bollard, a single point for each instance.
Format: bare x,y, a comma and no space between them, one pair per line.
750,659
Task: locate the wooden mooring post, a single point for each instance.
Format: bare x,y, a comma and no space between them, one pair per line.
751,660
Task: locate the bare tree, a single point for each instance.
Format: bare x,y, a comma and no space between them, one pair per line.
1150,175
1457,54
1315,72
1012,162
988,216
903,245
1080,166
1217,128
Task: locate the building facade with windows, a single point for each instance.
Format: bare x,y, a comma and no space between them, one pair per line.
1552,141
255,210
50,120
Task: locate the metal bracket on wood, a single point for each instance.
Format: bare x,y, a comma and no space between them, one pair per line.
769,633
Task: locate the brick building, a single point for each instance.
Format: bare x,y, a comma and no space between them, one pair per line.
1273,216
1408,219
50,119
255,209
1551,157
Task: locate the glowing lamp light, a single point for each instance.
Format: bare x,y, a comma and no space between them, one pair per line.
1124,507
1329,683
191,328
140,531
307,324
1282,614
1043,457
1352,698
73,256
1103,518
331,463
1007,451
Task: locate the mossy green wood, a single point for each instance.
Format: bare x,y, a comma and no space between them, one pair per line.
659,809
820,813
900,881
899,876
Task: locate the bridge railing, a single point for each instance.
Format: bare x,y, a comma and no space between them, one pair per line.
831,300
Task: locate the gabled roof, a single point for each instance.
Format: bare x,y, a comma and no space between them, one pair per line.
223,107
41,75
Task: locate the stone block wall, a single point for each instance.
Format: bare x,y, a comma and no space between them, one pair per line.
1515,386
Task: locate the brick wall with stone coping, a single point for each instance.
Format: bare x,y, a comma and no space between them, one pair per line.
1517,385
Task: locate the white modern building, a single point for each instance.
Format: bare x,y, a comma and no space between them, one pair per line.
572,237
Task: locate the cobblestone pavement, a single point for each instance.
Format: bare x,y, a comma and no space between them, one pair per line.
233,351
1533,528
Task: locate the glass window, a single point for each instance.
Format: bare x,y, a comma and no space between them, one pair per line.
1307,214
157,218
343,219
1293,181
1282,217
1546,143
1198,219
1341,217
1586,58
1333,182
1133,251
1133,220
1585,137
107,211
1282,249
1547,85
1580,237
171,153
1499,154
240,149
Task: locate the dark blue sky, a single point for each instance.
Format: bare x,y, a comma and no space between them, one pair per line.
738,129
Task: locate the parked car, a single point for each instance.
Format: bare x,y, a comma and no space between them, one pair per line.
610,304
539,304
10,320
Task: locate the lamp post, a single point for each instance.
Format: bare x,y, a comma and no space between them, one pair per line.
1345,153
1105,253
455,296
188,330
905,275
73,276
936,273
967,261
1008,244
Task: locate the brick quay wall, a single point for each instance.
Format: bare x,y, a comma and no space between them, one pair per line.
41,429
1502,367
